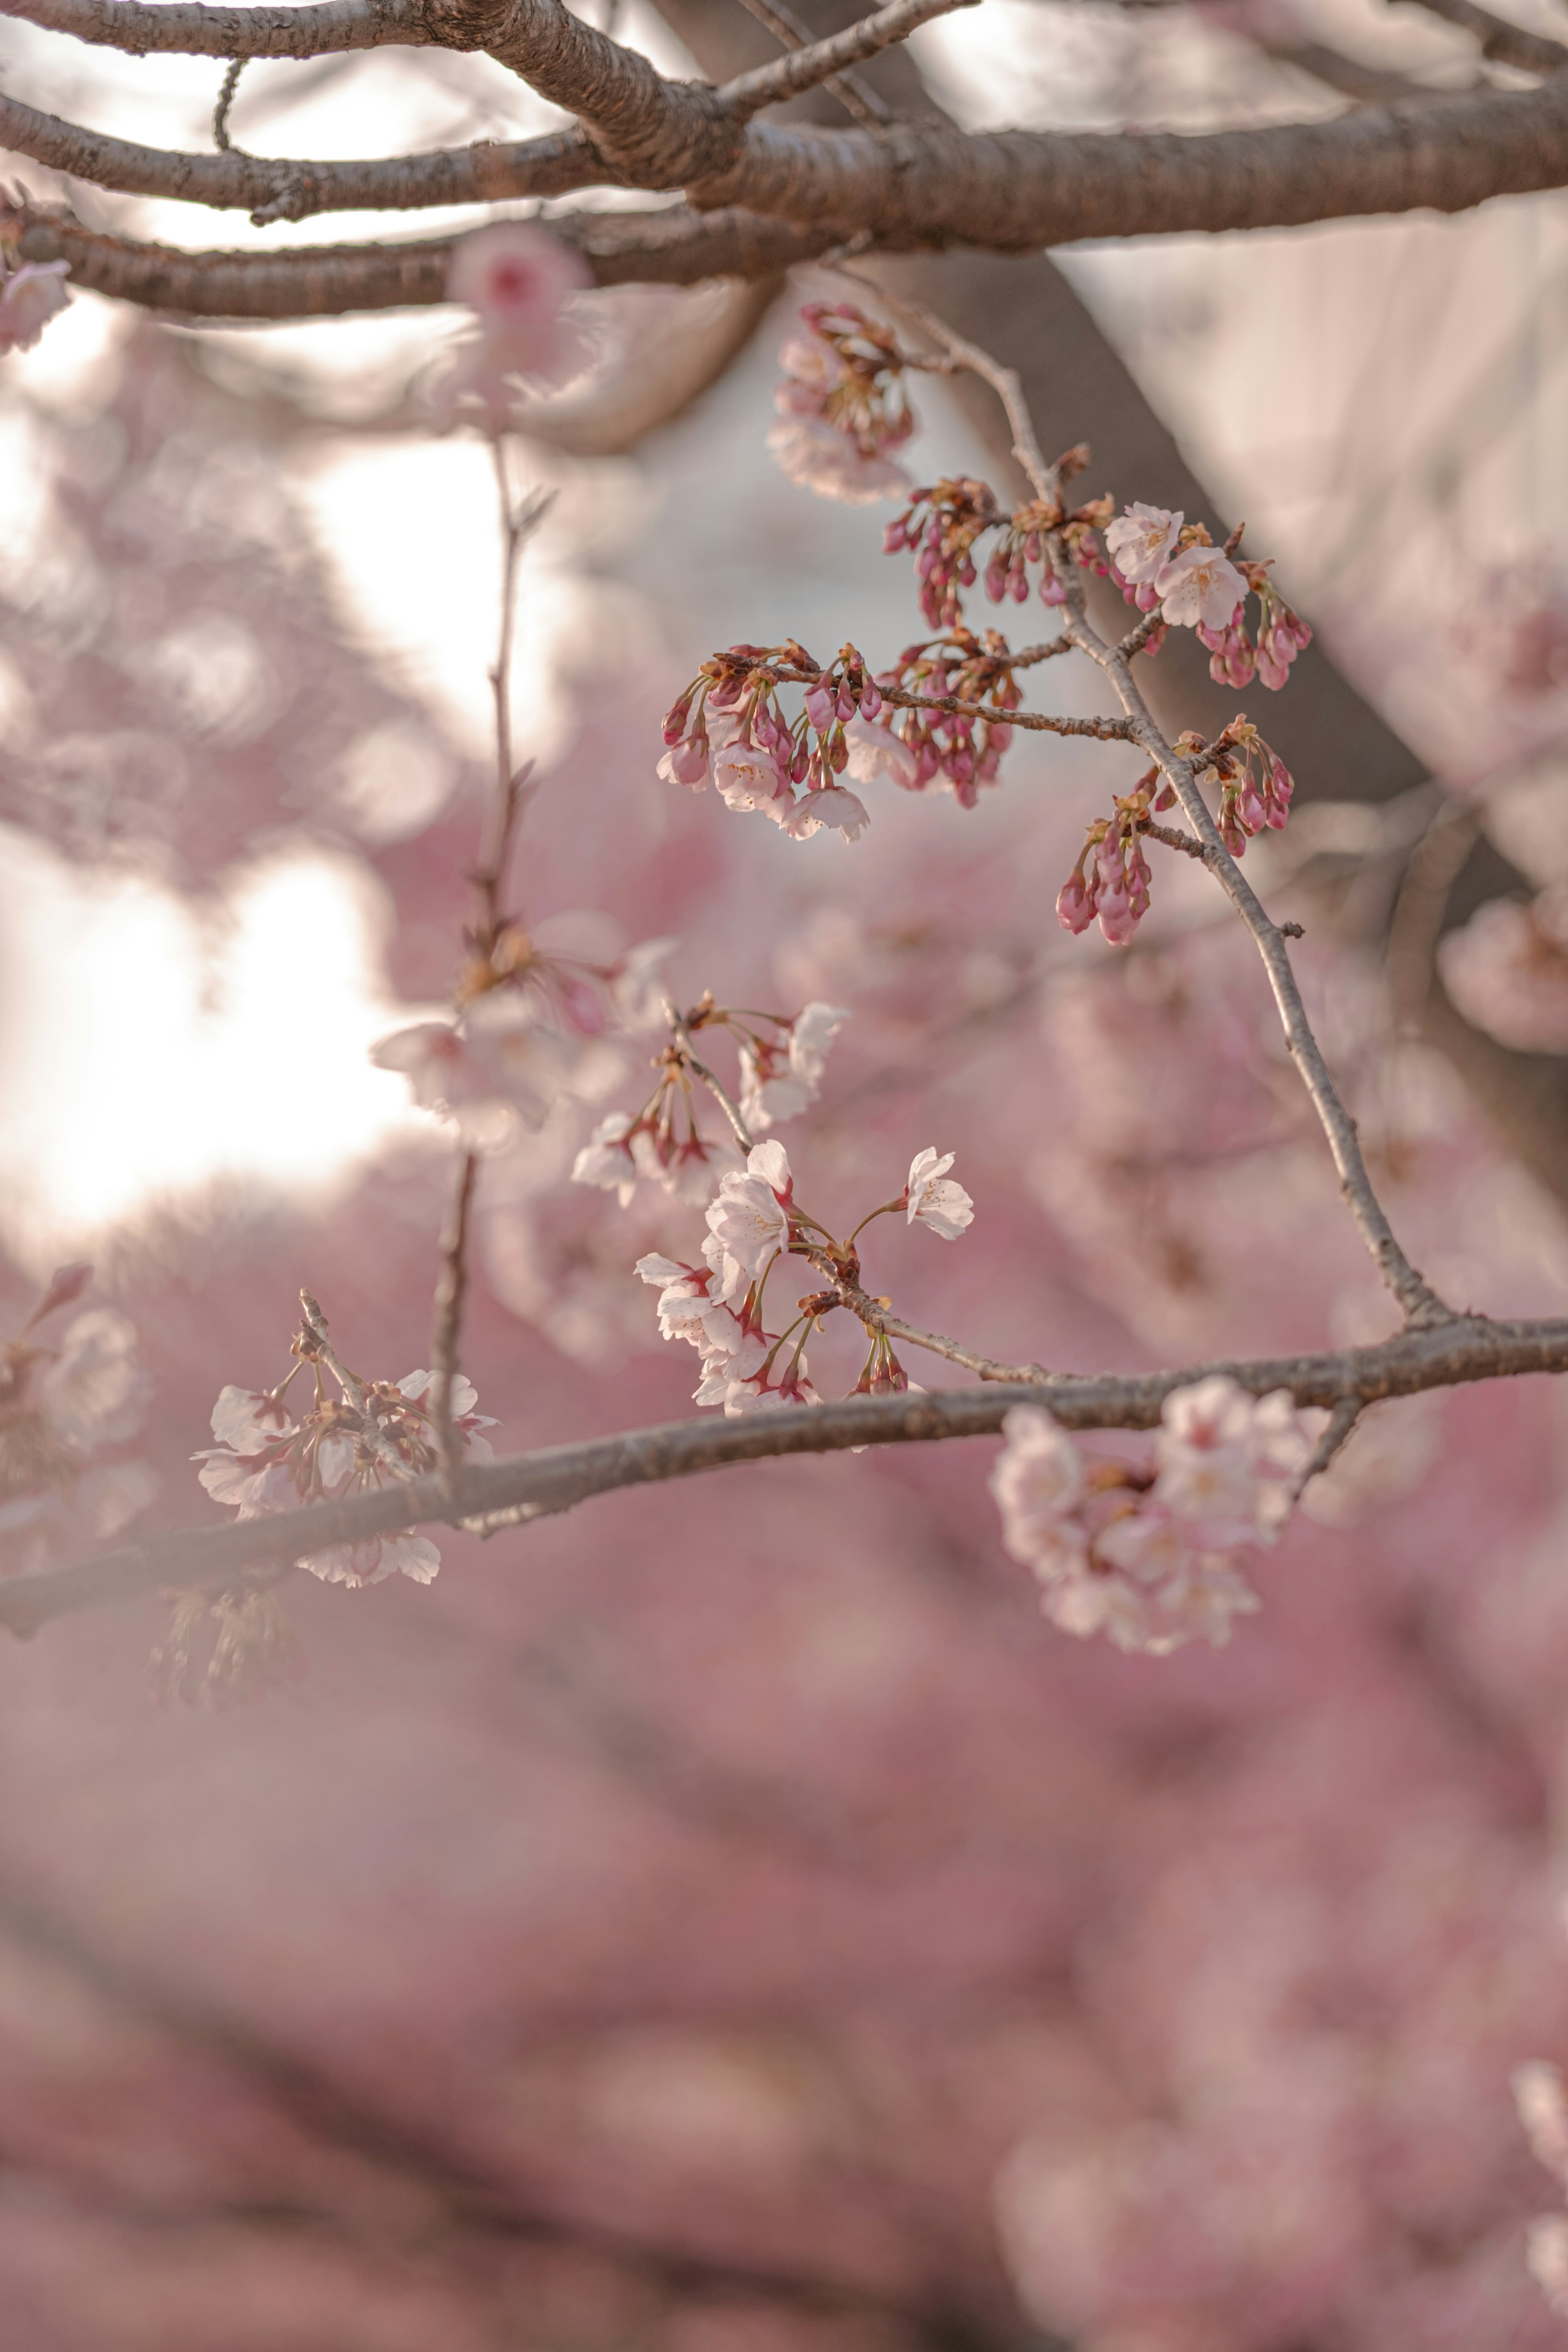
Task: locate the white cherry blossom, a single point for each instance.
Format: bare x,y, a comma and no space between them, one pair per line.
1140,538
832,807
876,754
936,1200
1199,584
605,1159
1038,1479
819,457
247,1421
748,1225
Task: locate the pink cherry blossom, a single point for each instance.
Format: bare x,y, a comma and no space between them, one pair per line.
751,778
1141,540
1199,584
515,277
778,1085
638,987
30,297
935,1199
501,1063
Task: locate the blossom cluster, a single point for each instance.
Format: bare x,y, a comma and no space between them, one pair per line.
1148,1559
269,1457
729,727
60,1404
1111,876
753,1221
521,1035
842,406
1161,563
782,1061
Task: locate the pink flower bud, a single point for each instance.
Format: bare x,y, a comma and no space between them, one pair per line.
674,719
895,539
870,699
820,708
689,760
846,704
995,581
1051,590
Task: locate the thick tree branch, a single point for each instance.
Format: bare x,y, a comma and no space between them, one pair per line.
537,1486
670,246
913,184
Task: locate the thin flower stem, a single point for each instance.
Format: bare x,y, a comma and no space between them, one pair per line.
450,1290
699,1069
1043,722
315,1324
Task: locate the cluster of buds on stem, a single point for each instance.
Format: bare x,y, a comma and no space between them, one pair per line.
1112,878
843,406
966,751
728,727
940,525
1255,784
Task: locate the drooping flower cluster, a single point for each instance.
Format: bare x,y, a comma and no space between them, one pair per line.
781,1064
963,753
1160,562
754,1221
522,1037
1148,1557
514,276
227,1648
30,296
269,1457
729,726
943,522
1544,2111
61,1403
842,406
1112,878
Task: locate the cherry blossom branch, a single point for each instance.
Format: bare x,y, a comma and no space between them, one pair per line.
1045,722
491,1496
451,1288
1420,1303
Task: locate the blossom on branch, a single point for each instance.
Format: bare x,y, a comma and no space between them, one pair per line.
935,1199
1199,586
1148,1558
375,1433
842,406
749,1223
499,1064
30,297
779,1077
60,1404
514,276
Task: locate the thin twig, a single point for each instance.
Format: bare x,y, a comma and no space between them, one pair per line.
221,139
855,95
450,1289
1343,1419
699,1069
1043,722
315,1324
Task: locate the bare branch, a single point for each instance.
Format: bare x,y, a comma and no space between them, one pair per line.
699,1069
673,246
852,91
1509,45
279,188
188,30
1045,722
806,68
536,1485
912,184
